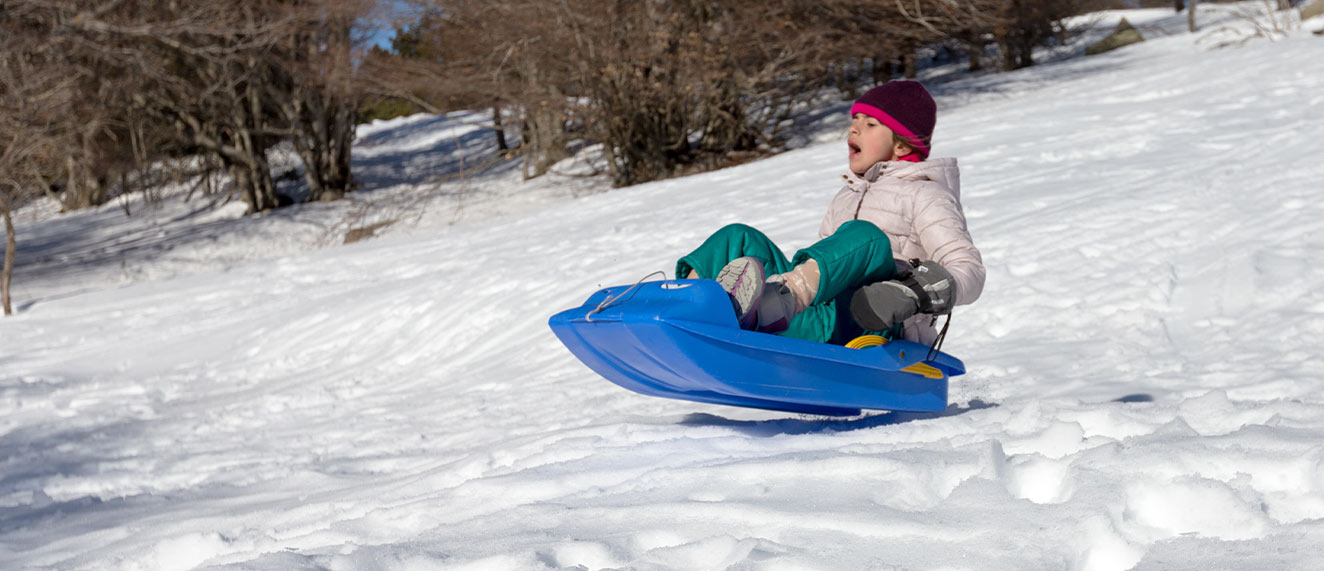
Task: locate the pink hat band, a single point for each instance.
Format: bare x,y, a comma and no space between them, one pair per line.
891,123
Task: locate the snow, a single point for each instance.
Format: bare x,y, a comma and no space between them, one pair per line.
1144,388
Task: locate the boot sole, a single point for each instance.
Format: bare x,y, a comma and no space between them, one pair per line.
743,281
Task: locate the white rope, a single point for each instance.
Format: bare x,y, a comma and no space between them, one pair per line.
614,298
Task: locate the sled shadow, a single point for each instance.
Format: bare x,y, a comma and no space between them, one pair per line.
810,425
1140,397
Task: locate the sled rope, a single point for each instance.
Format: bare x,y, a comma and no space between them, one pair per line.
610,300
942,336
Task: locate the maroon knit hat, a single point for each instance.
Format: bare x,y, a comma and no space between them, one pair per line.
905,107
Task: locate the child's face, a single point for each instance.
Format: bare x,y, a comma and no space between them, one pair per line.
869,142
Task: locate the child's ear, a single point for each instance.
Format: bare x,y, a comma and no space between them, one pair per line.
900,149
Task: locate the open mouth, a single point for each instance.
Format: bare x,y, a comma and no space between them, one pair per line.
854,148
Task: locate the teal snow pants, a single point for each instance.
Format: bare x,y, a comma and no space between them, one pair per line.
856,255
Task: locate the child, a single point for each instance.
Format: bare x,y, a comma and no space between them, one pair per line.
896,206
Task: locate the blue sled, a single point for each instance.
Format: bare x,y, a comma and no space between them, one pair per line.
680,339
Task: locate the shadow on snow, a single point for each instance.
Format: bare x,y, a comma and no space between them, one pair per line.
793,426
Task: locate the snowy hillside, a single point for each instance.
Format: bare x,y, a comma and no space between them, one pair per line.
1145,387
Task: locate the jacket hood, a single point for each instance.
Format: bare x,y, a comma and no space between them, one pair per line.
943,171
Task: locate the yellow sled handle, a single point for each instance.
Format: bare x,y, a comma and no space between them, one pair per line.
866,341
922,369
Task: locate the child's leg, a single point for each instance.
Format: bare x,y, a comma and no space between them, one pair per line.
858,253
802,282
731,242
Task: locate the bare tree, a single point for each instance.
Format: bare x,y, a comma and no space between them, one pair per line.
93,93
316,93
33,98
11,244
229,78
177,66
669,87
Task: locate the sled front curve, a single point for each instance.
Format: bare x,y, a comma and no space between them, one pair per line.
680,339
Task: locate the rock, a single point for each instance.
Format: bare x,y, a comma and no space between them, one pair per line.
365,232
1124,35
1311,10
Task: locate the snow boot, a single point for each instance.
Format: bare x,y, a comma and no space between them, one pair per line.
742,278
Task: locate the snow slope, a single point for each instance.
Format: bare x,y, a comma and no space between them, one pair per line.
410,172
1144,386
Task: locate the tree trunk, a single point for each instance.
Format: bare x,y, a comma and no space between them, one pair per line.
7,271
70,194
1178,5
306,115
545,138
239,176
49,190
82,189
263,187
339,176
90,187
252,176
1007,47
323,111
882,70
500,133
254,146
975,51
324,126
1026,58
124,194
1284,4
1190,16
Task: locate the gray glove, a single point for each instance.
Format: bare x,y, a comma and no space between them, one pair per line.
927,289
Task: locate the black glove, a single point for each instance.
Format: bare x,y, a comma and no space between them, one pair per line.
927,289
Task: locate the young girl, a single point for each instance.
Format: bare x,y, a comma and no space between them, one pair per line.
893,249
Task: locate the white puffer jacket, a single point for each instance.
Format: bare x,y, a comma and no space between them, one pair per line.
918,206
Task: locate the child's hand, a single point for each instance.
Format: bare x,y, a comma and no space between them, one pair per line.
928,289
